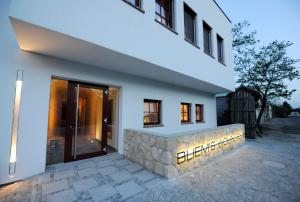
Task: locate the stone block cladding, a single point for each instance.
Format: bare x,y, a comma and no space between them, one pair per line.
175,154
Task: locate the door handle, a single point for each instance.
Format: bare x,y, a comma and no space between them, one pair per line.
105,120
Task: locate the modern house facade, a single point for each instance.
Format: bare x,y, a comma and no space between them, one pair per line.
75,74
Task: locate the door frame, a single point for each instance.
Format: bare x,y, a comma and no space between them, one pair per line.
68,156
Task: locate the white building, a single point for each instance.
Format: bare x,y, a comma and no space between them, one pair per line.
149,65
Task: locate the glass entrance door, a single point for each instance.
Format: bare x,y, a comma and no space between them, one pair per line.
86,121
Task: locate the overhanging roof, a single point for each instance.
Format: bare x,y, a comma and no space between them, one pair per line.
44,41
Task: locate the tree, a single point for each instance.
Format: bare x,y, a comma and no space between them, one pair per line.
241,38
282,111
265,69
287,107
243,45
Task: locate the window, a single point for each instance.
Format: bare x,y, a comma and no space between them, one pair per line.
220,42
136,3
199,113
189,24
164,12
207,38
152,112
185,112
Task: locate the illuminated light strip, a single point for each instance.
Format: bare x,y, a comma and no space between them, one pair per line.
15,124
196,151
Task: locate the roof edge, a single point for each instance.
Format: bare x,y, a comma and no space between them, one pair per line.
222,10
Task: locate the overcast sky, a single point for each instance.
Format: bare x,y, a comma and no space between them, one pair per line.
273,20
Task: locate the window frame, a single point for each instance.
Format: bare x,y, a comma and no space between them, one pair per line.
222,59
207,27
201,113
187,9
171,16
138,7
189,113
158,113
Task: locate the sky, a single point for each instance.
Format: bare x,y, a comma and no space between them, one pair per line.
273,20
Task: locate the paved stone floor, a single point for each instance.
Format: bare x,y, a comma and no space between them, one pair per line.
266,169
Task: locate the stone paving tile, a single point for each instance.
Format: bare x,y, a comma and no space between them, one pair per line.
133,167
102,192
83,196
108,170
85,184
115,156
17,191
105,163
64,196
54,186
154,182
122,163
106,179
144,175
61,167
87,164
87,172
121,176
169,194
128,189
41,179
64,174
110,157
37,195
274,164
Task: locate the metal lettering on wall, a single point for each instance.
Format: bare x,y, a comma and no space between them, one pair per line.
205,148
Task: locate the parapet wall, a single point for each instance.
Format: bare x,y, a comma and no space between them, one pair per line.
175,154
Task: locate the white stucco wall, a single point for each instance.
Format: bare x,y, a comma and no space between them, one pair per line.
117,26
38,70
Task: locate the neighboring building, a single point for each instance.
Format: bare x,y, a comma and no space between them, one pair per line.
242,106
294,114
75,74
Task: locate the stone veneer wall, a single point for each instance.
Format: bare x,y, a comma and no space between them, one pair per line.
158,152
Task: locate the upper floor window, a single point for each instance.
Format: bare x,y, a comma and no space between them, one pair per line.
199,113
220,42
189,24
164,12
207,38
152,112
136,3
185,109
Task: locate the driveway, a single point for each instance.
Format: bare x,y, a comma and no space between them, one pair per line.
265,169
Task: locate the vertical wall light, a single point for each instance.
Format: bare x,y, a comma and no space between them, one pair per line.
15,123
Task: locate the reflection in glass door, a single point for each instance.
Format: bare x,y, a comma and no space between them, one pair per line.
82,121
86,121
57,121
